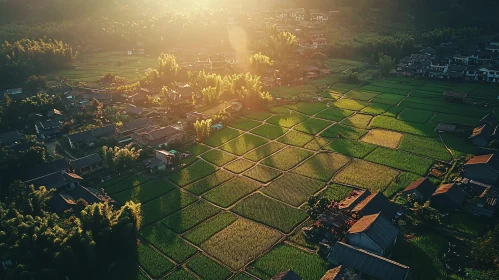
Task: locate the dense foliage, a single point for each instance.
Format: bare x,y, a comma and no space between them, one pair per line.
77,245
20,59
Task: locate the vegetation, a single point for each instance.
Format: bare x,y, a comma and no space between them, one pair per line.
243,144
165,205
312,126
262,173
384,138
322,166
293,189
231,191
287,158
207,229
270,212
207,268
168,242
269,131
240,243
218,157
336,192
191,173
343,131
351,148
368,175
209,182
145,192
239,166
295,138
222,136
400,160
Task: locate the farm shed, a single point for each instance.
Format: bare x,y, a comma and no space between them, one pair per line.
367,263
373,233
447,197
484,168
422,189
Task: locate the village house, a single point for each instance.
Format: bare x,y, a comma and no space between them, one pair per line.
67,200
49,129
373,233
447,197
91,137
421,189
483,134
367,263
86,164
160,162
156,135
355,197
484,168
11,137
375,203
128,128
183,93
133,110
319,43
438,68
52,175
486,203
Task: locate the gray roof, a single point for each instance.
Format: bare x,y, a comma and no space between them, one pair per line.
53,180
136,124
86,161
92,135
378,229
367,263
85,194
10,137
46,168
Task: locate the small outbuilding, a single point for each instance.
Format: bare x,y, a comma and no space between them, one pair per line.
422,189
448,197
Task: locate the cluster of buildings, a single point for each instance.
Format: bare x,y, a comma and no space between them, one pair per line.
452,61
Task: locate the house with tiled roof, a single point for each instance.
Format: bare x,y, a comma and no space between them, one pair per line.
483,134
375,203
341,273
422,189
130,127
86,164
90,137
483,168
354,198
447,197
156,135
373,233
367,263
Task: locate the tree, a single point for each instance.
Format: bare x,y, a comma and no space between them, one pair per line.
203,129
120,158
386,64
259,64
210,95
36,82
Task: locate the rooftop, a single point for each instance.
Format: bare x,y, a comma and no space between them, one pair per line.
424,186
378,229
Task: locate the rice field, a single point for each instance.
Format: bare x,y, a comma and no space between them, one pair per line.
334,114
167,242
343,131
269,131
415,115
207,229
218,158
287,158
165,205
428,147
243,144
241,242
262,173
312,126
364,174
190,216
208,269
351,148
239,166
230,192
295,138
336,192
288,120
308,108
317,143
145,192
350,104
222,136
267,211
152,261
383,138
361,95
128,183
264,151
198,149
376,109
322,166
209,182
193,172
293,189
358,120
245,124
402,181
400,160
389,123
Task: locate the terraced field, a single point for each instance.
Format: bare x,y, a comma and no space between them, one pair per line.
226,213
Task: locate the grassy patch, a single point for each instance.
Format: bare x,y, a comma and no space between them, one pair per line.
220,137
243,144
245,124
365,174
295,138
427,130
270,212
239,166
165,205
312,126
317,143
376,109
293,189
361,95
259,116
192,173
394,111
351,148
334,114
269,131
128,183
336,192
240,243
458,145
384,138
191,216
279,110
350,104
339,130
455,119
402,181
298,238
231,191
198,149
152,261
168,242
358,120
145,192
264,151
114,181
467,223
287,121
415,115
429,147
283,257
322,166
262,173
343,87
287,158
209,182
207,268
207,229
308,108
400,160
